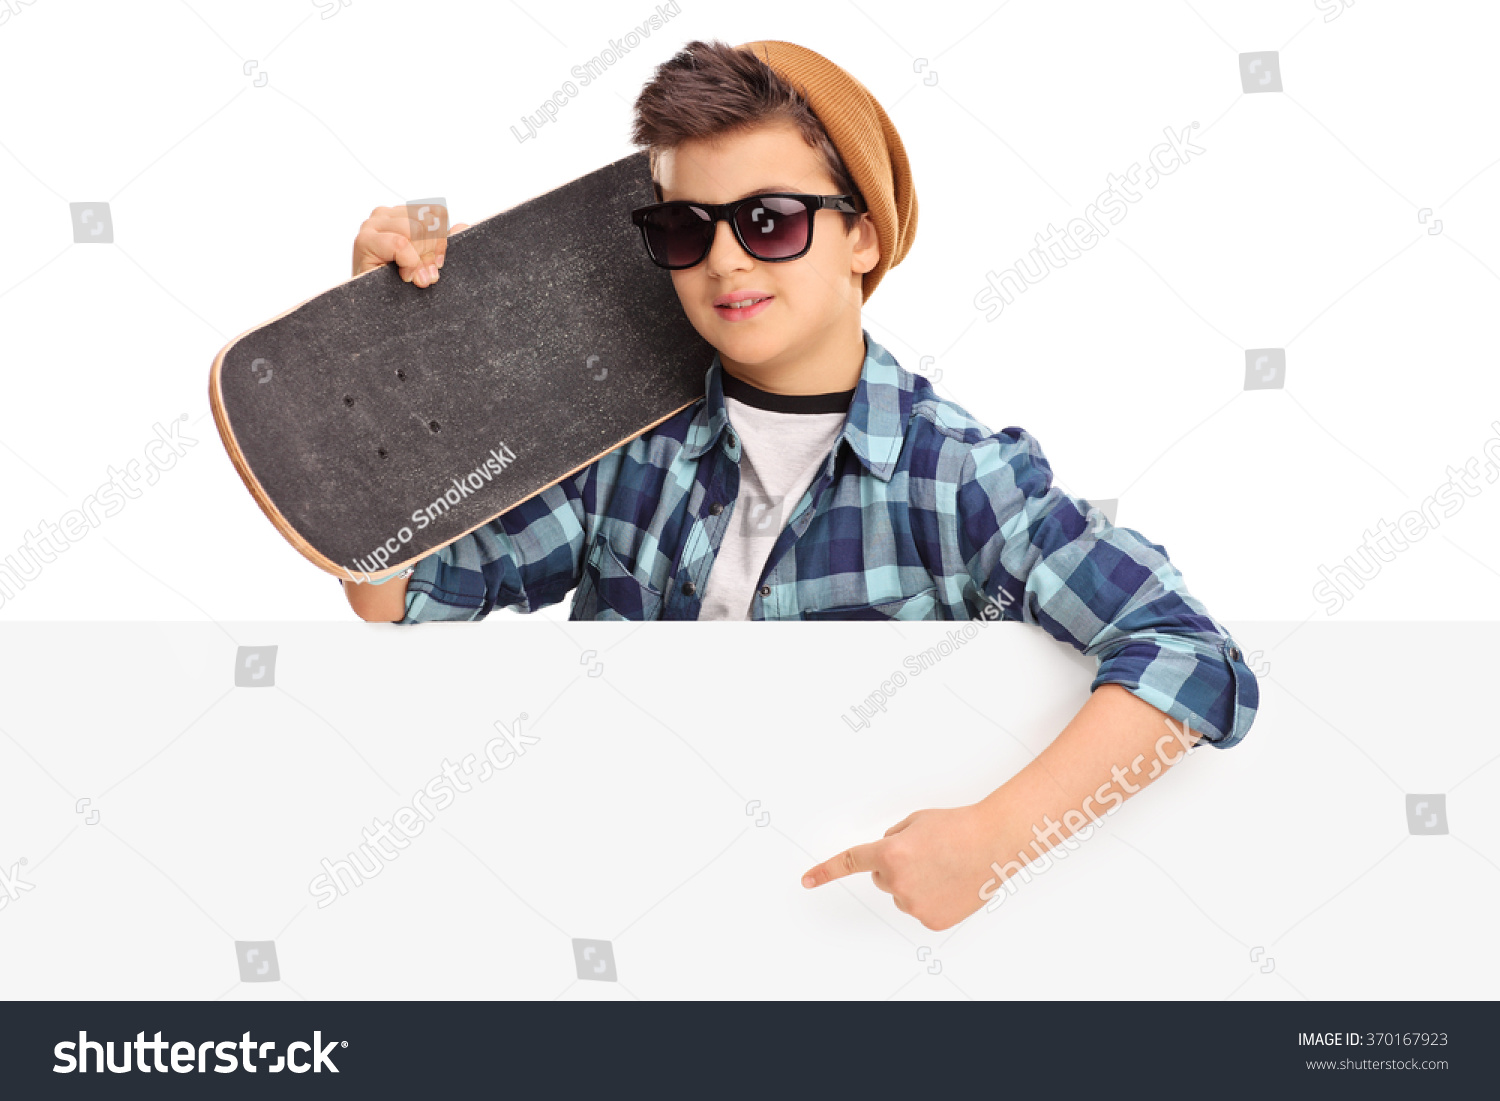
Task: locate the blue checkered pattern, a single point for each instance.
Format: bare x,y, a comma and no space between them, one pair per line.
919,512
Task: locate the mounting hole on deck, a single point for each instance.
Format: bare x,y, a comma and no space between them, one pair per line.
380,451
348,400
401,374
433,426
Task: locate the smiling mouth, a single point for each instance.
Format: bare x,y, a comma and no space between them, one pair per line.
742,303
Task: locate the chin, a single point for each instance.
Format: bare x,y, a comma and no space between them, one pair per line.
748,347
741,340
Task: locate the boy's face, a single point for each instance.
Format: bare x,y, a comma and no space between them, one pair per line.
815,300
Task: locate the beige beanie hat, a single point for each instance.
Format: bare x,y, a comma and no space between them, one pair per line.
865,138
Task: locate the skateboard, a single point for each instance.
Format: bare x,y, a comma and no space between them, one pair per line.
379,421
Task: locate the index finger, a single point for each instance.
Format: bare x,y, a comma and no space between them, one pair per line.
861,858
427,220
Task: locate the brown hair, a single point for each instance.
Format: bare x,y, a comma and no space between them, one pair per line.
711,88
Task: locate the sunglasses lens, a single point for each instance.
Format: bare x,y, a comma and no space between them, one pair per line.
774,227
679,235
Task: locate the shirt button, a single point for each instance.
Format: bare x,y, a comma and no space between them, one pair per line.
731,440
716,509
688,589
765,590
1234,653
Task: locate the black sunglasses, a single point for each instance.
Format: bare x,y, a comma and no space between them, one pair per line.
678,234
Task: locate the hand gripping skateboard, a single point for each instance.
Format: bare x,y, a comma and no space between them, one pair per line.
379,421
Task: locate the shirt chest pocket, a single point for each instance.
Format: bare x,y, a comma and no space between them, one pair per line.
921,605
607,590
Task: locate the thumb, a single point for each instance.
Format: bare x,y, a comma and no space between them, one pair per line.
901,825
861,858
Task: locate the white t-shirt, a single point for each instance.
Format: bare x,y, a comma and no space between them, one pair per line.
784,442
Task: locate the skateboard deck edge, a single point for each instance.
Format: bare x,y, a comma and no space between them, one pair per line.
257,492
294,537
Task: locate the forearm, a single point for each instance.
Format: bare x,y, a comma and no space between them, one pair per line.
377,603
1116,745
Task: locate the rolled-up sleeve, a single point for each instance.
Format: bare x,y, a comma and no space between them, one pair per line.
1105,590
525,559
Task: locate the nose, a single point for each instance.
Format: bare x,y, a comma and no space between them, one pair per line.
725,254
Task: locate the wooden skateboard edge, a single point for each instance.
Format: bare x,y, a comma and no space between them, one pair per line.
289,532
231,444
263,499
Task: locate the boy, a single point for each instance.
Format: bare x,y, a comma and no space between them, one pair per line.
820,480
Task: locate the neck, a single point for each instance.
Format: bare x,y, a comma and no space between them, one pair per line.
832,364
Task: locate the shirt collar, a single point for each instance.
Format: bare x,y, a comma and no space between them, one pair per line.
875,427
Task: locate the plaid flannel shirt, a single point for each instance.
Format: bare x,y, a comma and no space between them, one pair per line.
918,512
